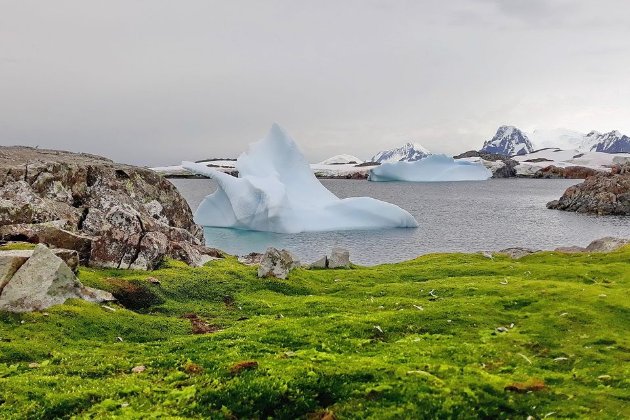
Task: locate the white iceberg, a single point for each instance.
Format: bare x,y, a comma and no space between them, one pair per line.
430,169
276,191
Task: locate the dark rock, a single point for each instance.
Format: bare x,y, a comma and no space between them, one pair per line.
569,172
603,194
508,170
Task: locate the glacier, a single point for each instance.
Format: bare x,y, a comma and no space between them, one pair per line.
430,169
276,191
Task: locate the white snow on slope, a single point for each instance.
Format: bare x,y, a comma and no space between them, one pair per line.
409,152
277,192
340,160
556,138
562,158
430,169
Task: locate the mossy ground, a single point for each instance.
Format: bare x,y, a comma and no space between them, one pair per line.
410,340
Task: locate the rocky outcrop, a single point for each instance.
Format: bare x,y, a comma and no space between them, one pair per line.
40,281
277,263
603,194
606,244
113,215
569,172
503,166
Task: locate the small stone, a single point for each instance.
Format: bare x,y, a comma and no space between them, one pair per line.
502,329
153,280
138,369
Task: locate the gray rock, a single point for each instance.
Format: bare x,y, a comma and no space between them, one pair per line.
69,256
253,258
607,244
42,281
321,263
70,200
51,234
517,253
277,263
339,258
10,262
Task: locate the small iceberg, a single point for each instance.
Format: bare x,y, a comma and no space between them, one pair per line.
432,168
276,191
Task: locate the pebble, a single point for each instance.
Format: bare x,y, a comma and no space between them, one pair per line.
502,329
138,369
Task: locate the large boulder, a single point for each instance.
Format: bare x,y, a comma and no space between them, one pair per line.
44,280
277,263
339,258
604,193
113,215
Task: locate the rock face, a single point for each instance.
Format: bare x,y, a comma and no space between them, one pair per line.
43,280
506,170
113,215
508,141
569,172
604,193
611,142
277,263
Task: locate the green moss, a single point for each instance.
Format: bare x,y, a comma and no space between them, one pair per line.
17,246
412,340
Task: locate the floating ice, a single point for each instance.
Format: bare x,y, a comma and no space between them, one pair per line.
431,168
277,192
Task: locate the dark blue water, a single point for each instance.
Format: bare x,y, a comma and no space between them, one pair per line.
453,216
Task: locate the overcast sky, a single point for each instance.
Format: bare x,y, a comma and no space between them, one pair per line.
154,82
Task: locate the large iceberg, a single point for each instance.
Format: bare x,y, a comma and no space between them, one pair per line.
276,191
430,169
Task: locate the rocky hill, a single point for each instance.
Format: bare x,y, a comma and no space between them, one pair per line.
114,215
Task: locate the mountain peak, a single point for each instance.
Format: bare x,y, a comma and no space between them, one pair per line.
409,152
508,141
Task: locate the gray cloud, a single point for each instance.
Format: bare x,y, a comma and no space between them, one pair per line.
155,82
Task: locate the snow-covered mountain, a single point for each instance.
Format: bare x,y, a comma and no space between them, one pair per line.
342,159
611,142
410,152
508,141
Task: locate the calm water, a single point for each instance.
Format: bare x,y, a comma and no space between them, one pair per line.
453,216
